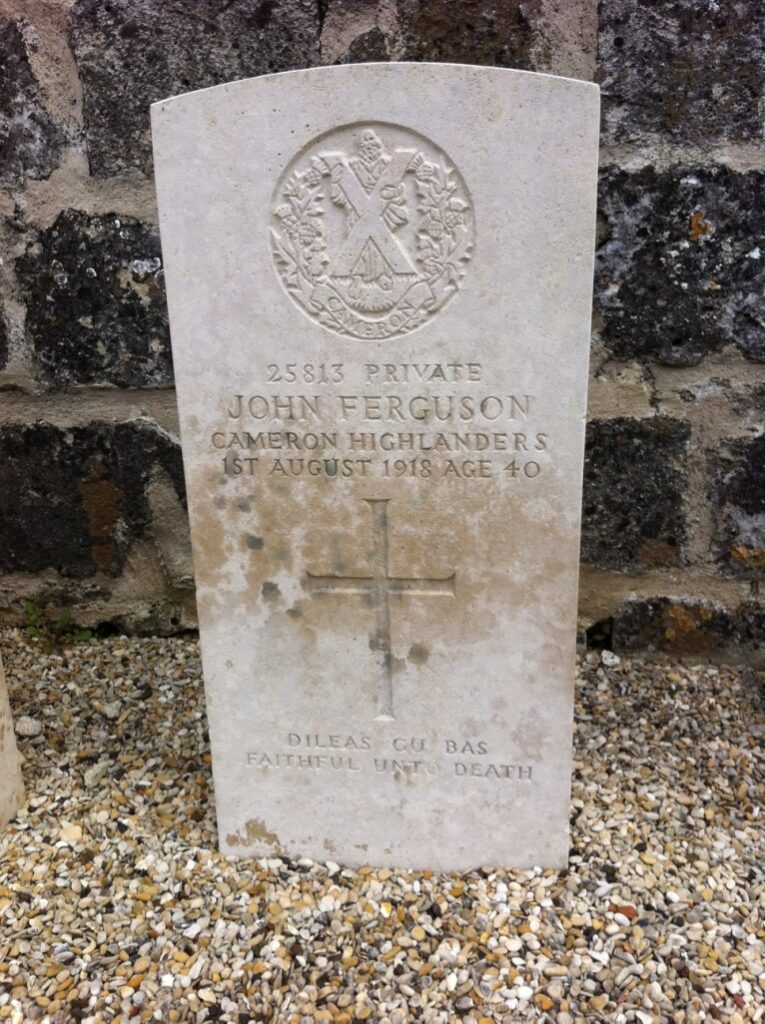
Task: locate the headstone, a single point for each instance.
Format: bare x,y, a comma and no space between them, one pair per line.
11,784
379,281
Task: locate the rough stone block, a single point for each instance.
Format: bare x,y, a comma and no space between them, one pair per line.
471,32
133,52
681,267
556,36
3,340
634,481
690,70
95,297
676,626
73,500
368,46
683,627
749,627
737,472
30,143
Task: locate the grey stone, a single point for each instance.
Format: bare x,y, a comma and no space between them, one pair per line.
634,483
737,474
470,32
3,340
81,516
132,52
30,142
685,627
28,727
691,70
381,356
555,36
680,271
95,774
368,46
95,299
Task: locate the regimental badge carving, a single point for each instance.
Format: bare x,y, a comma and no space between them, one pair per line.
372,230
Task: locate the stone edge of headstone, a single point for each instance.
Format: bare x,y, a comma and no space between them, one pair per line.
12,793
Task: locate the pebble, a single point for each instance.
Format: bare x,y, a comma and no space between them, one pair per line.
115,905
111,710
554,971
70,833
26,726
95,774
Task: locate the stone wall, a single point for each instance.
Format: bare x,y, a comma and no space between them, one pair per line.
92,511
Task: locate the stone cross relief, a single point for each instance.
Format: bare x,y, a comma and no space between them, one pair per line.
380,586
368,226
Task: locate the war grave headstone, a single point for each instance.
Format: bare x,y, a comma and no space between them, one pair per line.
11,784
379,280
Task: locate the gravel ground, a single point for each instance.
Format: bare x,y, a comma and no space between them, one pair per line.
114,905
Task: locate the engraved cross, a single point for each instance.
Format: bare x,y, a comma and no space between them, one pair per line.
379,587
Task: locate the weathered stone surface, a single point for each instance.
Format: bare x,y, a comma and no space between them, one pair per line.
383,440
30,142
737,471
469,32
634,481
95,298
690,70
681,268
685,627
133,52
3,340
11,783
368,46
74,500
556,36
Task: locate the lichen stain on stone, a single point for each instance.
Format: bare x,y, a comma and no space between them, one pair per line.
699,226
270,591
419,654
254,831
102,502
658,553
752,558
253,543
683,626
90,318
210,553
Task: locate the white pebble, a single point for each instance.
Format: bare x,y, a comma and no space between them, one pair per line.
26,726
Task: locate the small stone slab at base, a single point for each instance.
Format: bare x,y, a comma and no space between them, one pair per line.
379,279
11,784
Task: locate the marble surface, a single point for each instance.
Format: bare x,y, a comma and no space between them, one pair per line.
11,784
379,281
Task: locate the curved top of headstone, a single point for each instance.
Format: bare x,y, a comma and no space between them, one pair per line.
379,279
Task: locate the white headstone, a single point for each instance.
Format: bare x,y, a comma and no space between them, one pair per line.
379,281
11,784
